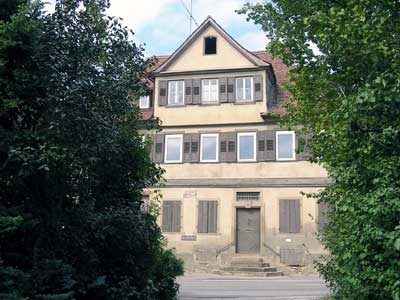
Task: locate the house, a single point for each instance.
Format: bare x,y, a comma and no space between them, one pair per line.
234,181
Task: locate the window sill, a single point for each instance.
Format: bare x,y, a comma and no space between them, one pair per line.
243,102
175,105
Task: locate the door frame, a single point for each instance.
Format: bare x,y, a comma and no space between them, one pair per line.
252,204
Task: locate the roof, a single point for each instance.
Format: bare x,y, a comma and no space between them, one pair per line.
209,21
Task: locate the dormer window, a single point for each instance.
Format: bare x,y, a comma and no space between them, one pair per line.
210,45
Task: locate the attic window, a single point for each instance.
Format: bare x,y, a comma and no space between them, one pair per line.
210,45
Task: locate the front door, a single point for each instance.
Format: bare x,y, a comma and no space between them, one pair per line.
248,230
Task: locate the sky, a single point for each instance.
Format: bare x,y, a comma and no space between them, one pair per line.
163,25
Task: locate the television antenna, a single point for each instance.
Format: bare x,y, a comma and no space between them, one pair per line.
189,11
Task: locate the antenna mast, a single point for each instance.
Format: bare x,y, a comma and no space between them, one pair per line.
190,16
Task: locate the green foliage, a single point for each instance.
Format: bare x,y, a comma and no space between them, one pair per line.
348,95
72,162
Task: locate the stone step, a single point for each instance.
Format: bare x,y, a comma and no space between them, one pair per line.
241,262
254,274
249,269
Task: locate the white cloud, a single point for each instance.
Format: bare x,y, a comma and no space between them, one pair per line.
136,13
255,40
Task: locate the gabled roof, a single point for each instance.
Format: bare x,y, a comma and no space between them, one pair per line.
209,21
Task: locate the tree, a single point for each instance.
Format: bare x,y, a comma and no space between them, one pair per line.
347,94
72,162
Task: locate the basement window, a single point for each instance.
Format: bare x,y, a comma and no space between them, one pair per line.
210,45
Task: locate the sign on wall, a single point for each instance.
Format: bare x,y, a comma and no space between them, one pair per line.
189,194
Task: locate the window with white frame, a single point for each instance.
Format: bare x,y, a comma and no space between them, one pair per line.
209,148
173,148
144,102
175,92
209,90
285,145
246,146
244,89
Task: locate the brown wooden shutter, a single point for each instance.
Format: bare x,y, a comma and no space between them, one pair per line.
195,147
227,147
231,89
196,84
158,156
223,96
212,216
261,146
258,88
188,91
167,216
202,217
187,142
266,145
284,216
323,211
294,216
176,216
305,153
162,92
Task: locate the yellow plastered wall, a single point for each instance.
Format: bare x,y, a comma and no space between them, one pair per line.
193,57
227,205
223,113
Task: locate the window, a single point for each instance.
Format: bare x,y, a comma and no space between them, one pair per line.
209,89
285,145
175,92
244,89
207,217
247,196
210,45
289,216
171,216
247,146
144,102
173,148
209,148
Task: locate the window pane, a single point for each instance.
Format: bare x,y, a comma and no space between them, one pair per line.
209,148
172,92
246,147
144,102
180,92
285,146
173,149
205,90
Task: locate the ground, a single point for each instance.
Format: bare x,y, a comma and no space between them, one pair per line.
213,287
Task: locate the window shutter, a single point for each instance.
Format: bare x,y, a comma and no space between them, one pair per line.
212,216
258,88
305,153
167,216
158,156
195,147
223,97
202,217
176,216
162,92
284,216
261,145
294,216
227,147
266,145
323,211
196,85
231,89
188,91
187,141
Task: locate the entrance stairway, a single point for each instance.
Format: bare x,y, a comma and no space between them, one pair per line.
250,266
